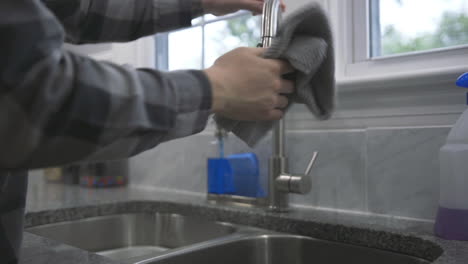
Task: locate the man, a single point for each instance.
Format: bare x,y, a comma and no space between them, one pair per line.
57,107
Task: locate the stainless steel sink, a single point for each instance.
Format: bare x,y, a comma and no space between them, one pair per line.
170,238
132,237
281,249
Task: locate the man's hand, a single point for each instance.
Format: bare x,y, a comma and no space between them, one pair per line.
224,7
248,87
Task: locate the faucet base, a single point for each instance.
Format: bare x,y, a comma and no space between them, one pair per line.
236,200
277,199
246,202
278,209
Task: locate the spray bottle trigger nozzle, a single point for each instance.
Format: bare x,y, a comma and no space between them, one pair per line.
462,81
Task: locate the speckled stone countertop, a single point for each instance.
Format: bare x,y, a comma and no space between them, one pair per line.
50,203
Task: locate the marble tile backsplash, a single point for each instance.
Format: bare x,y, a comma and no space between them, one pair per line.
391,171
338,176
403,171
178,164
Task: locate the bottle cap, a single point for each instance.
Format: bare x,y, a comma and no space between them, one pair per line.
462,81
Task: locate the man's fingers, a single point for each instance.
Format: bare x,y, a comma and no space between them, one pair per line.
283,6
255,7
285,67
278,66
281,66
287,87
259,9
258,51
275,114
282,102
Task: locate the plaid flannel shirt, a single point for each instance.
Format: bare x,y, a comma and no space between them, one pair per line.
57,107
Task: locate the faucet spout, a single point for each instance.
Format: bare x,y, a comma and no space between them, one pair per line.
277,200
270,21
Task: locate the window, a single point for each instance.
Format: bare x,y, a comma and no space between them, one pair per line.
399,37
397,60
404,26
199,46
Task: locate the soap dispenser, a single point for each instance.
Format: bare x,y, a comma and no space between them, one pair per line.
452,216
237,174
220,173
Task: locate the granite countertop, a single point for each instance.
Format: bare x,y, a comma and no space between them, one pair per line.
50,203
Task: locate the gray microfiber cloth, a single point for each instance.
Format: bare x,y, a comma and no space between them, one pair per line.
305,40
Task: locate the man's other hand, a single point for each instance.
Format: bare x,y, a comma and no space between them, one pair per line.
224,7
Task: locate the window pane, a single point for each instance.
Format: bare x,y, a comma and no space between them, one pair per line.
402,26
185,49
223,36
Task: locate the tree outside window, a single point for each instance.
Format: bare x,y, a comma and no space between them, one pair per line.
417,25
199,46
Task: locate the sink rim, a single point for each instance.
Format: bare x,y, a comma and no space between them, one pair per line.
234,238
91,218
243,232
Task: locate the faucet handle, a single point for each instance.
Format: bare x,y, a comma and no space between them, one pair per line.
311,163
300,184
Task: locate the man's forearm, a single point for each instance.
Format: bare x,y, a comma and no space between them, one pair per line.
57,107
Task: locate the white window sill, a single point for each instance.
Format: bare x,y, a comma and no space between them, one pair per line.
411,79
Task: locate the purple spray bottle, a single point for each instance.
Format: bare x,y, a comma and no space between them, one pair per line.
452,216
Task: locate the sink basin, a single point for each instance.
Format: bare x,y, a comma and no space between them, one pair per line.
280,249
130,237
175,239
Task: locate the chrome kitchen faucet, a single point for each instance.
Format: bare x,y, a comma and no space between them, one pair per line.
280,183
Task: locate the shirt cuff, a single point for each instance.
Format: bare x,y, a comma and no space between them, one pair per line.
193,104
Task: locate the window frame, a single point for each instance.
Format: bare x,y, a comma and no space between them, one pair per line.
360,63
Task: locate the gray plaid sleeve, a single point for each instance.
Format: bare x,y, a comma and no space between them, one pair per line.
91,21
13,186
57,107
